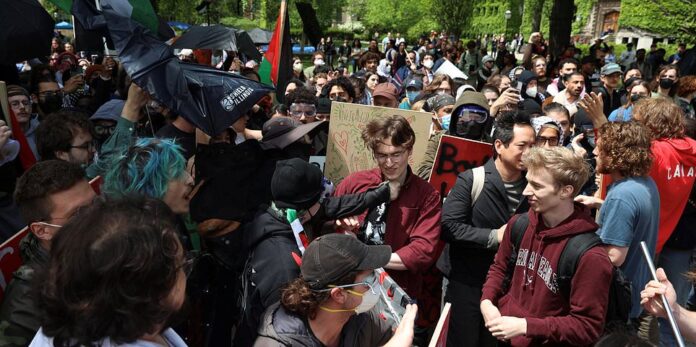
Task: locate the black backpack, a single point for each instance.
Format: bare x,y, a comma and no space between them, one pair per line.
619,305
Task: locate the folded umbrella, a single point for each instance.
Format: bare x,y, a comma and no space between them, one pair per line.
218,37
209,98
26,30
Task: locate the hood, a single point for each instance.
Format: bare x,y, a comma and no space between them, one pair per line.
284,327
266,224
685,146
579,222
33,124
31,251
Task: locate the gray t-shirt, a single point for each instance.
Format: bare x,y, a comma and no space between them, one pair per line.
514,193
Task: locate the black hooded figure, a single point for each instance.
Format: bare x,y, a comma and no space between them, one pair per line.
529,87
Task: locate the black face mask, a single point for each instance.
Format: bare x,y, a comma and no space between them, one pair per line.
636,97
51,103
471,130
666,83
340,99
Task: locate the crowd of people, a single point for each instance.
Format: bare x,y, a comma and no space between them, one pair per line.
235,239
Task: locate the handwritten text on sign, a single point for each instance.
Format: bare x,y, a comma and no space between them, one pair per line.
456,155
346,152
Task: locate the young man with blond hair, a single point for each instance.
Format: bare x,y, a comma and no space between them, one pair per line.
534,309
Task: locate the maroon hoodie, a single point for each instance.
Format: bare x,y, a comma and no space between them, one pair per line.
534,293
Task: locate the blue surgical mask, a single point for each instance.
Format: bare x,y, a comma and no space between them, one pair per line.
445,121
412,96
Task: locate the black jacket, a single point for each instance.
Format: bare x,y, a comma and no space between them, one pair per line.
20,319
270,244
467,228
283,328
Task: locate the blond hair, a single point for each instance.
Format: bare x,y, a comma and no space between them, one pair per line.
565,167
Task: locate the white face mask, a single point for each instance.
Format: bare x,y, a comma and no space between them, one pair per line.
297,67
428,64
319,62
369,300
532,92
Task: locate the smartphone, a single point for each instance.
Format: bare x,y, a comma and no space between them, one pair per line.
94,58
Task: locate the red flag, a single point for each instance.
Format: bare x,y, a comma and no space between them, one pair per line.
26,156
279,54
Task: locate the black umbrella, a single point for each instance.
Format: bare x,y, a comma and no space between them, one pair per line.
209,98
218,37
260,36
26,30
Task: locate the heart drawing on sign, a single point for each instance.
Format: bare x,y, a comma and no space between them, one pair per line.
341,139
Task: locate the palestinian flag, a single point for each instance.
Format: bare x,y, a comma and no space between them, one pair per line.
84,10
276,67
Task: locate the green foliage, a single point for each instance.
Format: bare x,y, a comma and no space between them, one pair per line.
240,23
582,12
671,18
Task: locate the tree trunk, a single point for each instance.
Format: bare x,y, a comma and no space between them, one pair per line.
560,26
537,8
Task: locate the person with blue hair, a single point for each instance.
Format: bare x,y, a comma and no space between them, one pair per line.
152,167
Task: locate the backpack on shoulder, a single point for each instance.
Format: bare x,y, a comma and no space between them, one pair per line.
619,304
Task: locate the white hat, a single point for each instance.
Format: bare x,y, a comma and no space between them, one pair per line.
186,52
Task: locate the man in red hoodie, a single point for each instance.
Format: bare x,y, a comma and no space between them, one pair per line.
534,311
674,171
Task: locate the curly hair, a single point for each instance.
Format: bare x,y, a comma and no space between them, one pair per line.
566,167
395,128
146,168
41,180
301,95
344,83
56,132
663,118
625,148
687,86
111,273
298,297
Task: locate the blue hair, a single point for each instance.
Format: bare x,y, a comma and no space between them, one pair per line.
145,168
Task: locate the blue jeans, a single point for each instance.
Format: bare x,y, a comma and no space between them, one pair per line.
676,263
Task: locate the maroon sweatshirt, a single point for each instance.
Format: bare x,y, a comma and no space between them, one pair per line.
534,292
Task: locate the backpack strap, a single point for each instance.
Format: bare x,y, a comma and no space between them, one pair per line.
570,256
516,233
518,229
477,184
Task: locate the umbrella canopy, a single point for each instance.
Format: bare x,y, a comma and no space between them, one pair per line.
208,98
218,37
64,25
179,25
26,30
260,36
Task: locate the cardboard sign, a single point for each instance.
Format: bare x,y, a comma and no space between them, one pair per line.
346,152
456,155
439,338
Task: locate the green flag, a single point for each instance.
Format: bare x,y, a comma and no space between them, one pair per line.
140,10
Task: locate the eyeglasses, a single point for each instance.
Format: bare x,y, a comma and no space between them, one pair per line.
51,225
51,93
104,130
91,146
395,157
541,140
16,103
368,282
297,111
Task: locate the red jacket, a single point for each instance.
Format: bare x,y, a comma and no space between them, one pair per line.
673,169
413,224
534,295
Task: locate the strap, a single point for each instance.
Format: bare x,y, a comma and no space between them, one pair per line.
568,262
477,185
518,229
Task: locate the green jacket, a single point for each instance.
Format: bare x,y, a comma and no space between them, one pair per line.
426,165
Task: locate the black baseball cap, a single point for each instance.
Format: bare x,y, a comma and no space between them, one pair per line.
331,257
296,184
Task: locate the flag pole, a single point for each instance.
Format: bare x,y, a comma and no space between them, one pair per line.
283,13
